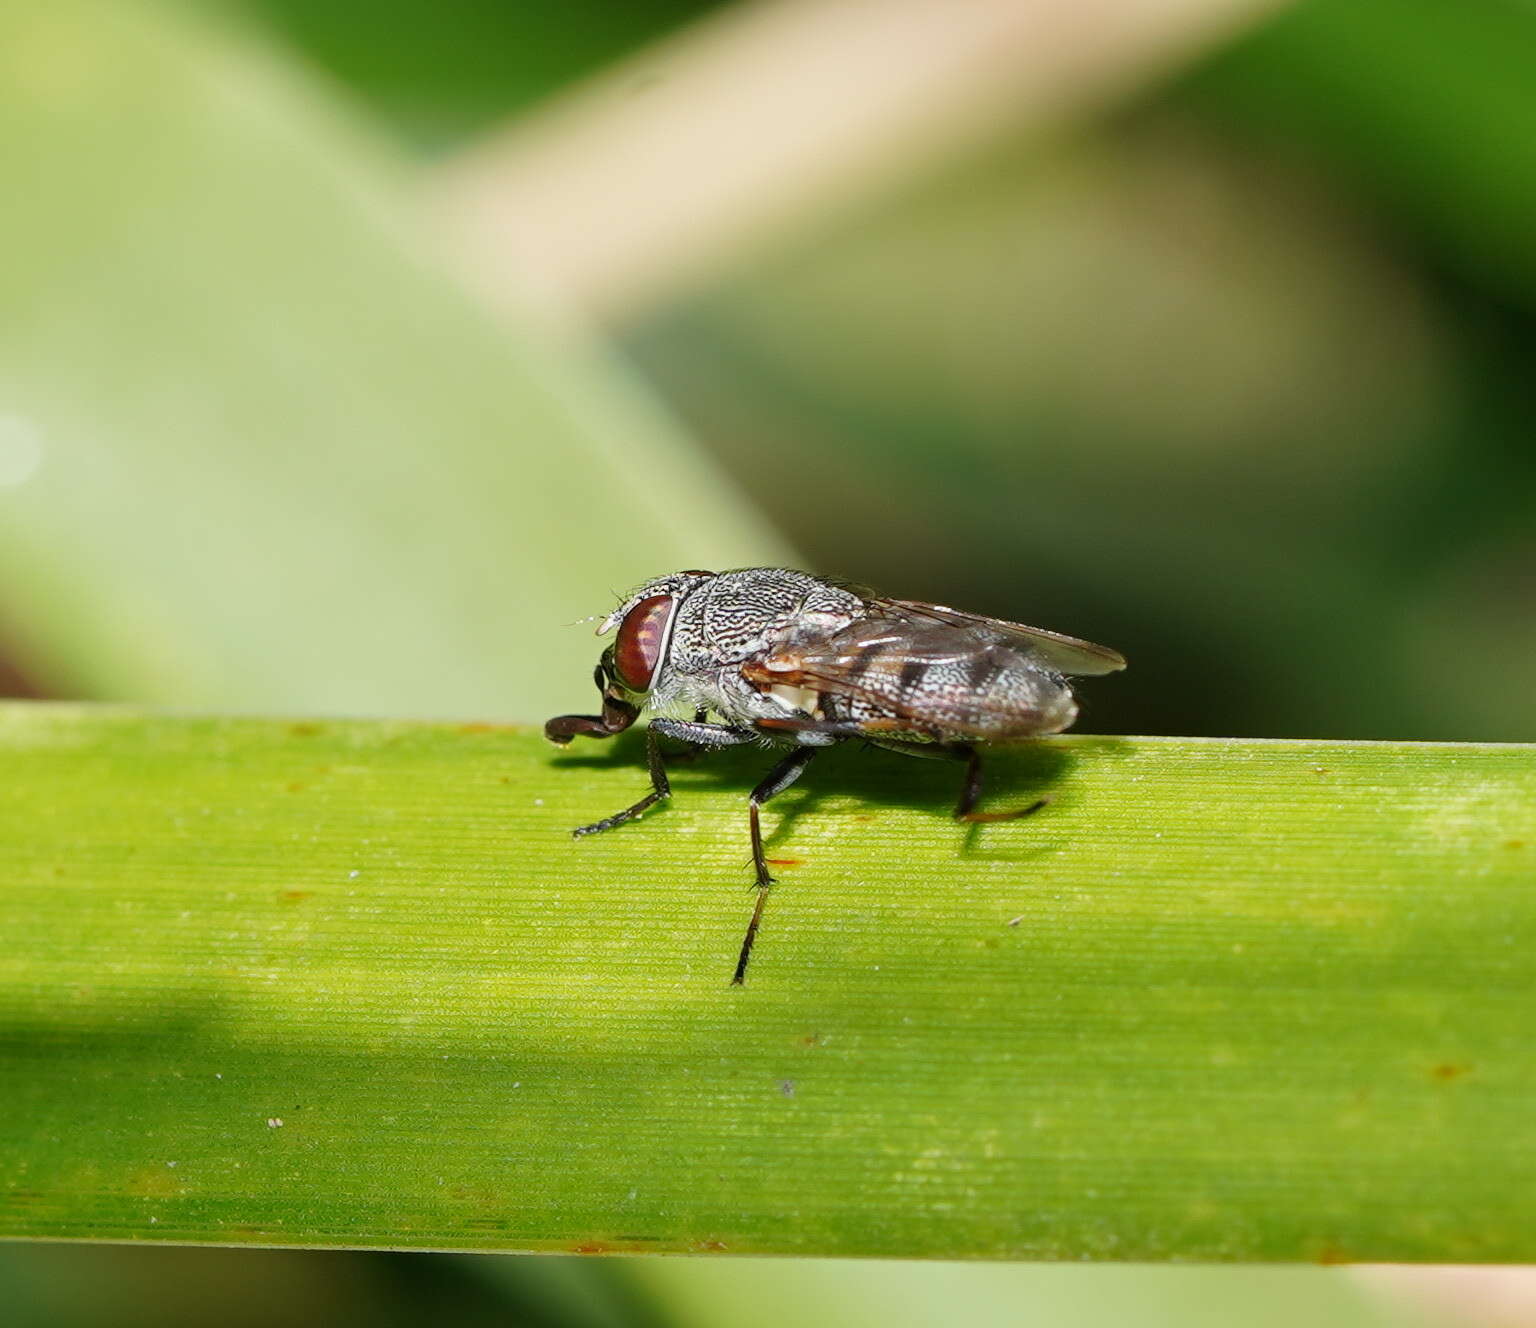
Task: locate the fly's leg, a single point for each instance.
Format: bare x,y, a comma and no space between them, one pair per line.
699,734
775,781
692,753
970,792
660,789
815,732
695,734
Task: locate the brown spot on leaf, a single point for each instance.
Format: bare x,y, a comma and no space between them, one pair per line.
592,1247
710,1246
810,1040
1448,1070
295,787
306,729
1514,843
784,862
1331,1255
295,896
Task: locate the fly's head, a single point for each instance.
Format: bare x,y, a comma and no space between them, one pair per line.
630,665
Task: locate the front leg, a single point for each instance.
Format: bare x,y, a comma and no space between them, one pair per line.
660,788
688,752
699,734
695,734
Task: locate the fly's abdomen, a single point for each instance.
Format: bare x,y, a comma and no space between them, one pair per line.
992,694
930,686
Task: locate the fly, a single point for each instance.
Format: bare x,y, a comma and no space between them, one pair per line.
775,656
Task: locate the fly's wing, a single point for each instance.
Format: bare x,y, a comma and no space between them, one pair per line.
1064,654
922,676
871,659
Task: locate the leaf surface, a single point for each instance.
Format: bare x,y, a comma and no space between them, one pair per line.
353,983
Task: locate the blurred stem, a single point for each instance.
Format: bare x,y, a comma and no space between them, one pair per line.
624,193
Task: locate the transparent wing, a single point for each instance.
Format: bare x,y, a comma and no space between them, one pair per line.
1065,654
880,660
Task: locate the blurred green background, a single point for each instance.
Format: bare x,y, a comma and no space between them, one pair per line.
348,354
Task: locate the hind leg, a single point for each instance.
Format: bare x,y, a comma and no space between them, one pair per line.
970,791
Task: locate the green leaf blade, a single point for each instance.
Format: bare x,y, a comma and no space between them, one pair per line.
1221,1000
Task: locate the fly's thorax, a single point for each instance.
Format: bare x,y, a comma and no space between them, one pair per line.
724,693
740,615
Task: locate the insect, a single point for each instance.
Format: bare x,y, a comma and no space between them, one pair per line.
780,657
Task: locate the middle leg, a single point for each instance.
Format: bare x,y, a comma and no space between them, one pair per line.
775,781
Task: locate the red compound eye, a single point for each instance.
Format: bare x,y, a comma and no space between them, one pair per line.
637,649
